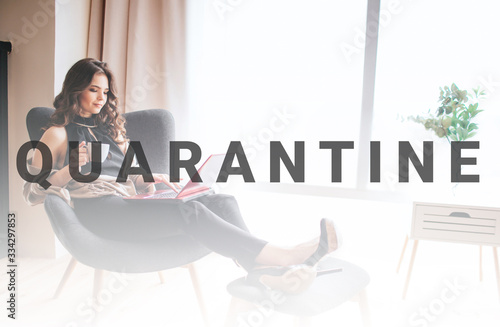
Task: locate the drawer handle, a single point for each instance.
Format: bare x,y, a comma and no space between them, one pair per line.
460,214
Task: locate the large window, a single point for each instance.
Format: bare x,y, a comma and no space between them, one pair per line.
279,70
423,46
293,70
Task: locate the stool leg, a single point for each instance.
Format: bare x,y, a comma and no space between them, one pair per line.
303,321
162,278
412,260
67,273
402,254
237,306
364,309
497,268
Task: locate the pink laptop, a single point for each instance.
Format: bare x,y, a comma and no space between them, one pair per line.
208,172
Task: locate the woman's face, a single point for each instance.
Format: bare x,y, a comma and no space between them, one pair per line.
94,97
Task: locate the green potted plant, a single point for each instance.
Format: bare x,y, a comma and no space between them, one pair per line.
454,117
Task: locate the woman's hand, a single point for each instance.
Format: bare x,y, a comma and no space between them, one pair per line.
158,178
82,153
165,179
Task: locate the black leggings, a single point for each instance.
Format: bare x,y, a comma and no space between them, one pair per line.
213,220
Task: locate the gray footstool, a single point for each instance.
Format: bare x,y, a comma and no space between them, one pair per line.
327,292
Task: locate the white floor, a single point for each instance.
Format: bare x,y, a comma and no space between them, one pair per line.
445,289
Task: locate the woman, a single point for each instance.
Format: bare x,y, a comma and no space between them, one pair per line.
86,111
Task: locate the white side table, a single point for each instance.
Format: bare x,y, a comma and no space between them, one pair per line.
454,223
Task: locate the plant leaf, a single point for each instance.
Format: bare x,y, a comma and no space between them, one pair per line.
462,133
473,114
472,126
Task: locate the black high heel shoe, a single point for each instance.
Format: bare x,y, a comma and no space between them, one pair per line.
289,279
324,246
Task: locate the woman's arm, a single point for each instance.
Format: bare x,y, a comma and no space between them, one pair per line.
56,140
139,182
159,178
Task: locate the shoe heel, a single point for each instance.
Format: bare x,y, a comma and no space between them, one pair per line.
323,246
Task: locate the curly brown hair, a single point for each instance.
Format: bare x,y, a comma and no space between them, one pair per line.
76,81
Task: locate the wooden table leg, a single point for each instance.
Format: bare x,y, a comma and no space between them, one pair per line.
410,268
497,268
402,254
480,263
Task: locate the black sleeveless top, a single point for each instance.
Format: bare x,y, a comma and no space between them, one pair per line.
80,130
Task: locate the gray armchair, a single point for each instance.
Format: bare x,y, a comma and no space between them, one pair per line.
155,129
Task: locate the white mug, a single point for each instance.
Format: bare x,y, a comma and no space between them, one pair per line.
104,151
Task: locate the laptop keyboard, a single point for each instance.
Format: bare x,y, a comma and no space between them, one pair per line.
165,195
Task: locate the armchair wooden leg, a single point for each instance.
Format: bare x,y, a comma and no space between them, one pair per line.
98,277
199,296
402,254
412,260
67,273
162,278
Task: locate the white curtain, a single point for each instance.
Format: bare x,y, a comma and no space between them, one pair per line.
144,44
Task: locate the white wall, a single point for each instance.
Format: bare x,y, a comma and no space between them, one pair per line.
30,82
41,51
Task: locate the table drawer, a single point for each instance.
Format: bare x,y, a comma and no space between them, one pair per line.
456,223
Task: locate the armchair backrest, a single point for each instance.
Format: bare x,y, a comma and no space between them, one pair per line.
154,128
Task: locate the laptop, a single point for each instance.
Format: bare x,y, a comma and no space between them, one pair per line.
208,172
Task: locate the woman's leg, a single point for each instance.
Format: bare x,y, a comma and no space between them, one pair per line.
214,221
114,218
226,207
272,255
256,252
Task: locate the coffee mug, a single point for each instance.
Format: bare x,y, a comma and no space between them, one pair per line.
104,151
